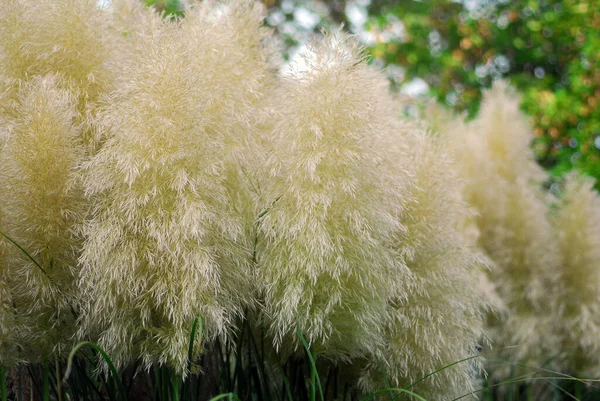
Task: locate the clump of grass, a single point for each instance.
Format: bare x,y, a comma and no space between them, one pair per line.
325,264
41,202
166,239
503,183
157,173
78,379
577,222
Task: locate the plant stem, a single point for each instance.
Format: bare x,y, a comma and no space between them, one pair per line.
58,380
175,379
313,385
45,382
3,389
578,391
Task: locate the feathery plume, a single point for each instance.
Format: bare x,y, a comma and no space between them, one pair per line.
441,320
167,240
67,37
577,222
324,257
70,38
40,204
503,183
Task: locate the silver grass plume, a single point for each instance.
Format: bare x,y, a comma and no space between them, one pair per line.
75,39
577,223
167,241
324,254
40,204
504,185
447,128
66,37
441,320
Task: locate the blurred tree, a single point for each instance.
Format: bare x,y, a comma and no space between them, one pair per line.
549,49
167,7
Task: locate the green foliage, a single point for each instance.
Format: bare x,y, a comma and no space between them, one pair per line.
549,50
167,7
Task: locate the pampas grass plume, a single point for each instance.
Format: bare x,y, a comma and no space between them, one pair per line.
167,241
442,319
324,254
577,223
504,185
66,37
41,202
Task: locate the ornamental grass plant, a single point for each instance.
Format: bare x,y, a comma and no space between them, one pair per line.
42,202
544,264
182,219
166,239
503,183
576,219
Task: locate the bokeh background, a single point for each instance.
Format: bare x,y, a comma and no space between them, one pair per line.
452,49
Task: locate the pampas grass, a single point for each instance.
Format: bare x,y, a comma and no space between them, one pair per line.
323,252
70,38
160,172
41,202
445,293
165,243
577,222
504,185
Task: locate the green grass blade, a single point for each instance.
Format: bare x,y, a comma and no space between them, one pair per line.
197,329
34,376
3,372
385,378
111,366
440,370
396,390
261,368
229,396
539,369
559,389
313,387
164,383
39,266
286,383
519,380
83,381
35,262
175,384
313,365
45,382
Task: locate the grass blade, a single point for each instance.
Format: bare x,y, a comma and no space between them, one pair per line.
197,327
440,370
517,380
386,380
45,382
286,384
230,396
39,266
313,365
111,367
35,262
